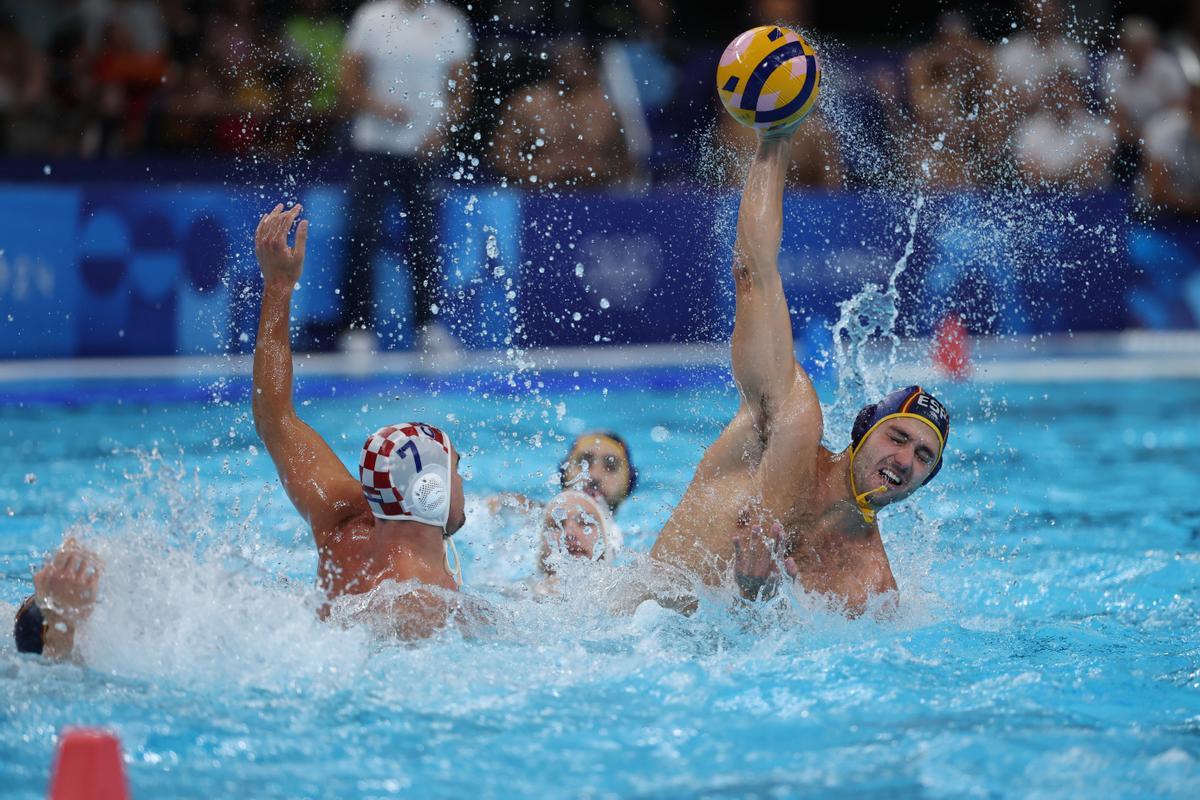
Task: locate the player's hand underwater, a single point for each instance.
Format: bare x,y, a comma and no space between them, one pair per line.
280,264
756,559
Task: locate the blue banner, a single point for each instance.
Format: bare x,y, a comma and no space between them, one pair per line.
113,269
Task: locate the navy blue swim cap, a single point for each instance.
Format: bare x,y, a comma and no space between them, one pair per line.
29,627
913,402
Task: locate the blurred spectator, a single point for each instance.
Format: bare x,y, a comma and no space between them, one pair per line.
815,152
314,35
76,127
1164,252
1031,59
183,31
960,131
144,23
1064,143
1142,81
23,85
406,78
127,79
220,99
1170,175
565,129
40,21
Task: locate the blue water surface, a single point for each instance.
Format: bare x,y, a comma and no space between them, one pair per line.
1047,643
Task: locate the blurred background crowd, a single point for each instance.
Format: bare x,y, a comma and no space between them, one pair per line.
1086,94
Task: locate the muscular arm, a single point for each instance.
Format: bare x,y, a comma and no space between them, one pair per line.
315,480
764,362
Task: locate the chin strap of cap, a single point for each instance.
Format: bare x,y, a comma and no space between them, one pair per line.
456,570
860,498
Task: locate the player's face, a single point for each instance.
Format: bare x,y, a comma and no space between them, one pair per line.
606,467
572,526
898,455
458,503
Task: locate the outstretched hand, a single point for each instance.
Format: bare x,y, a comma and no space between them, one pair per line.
280,264
756,559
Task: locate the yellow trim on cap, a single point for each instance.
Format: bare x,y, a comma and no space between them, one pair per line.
934,428
599,437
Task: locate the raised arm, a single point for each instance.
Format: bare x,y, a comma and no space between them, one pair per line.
764,361
315,480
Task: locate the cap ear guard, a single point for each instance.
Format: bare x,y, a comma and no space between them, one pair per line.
428,496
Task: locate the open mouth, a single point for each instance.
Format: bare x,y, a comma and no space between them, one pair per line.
890,476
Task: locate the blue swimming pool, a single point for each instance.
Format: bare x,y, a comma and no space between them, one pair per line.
1048,643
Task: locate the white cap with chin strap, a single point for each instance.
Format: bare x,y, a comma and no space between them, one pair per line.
406,473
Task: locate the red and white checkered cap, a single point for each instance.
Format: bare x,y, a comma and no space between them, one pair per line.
405,471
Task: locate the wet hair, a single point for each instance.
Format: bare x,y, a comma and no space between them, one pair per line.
29,627
616,437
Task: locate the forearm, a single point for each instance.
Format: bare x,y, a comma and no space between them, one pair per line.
272,396
58,642
763,354
760,214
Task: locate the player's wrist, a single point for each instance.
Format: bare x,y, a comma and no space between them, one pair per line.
277,286
756,587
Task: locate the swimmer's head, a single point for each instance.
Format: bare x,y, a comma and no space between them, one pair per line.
29,627
409,472
600,464
896,447
579,525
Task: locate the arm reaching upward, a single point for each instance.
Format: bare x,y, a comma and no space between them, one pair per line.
764,362
315,480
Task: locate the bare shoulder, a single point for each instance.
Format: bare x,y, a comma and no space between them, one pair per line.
878,571
868,575
345,510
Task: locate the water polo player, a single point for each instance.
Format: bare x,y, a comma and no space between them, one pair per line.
578,525
597,462
64,593
393,521
768,471
575,525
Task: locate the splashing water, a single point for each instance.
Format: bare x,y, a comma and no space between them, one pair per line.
863,372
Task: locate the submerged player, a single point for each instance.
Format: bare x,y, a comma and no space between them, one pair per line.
575,525
64,593
392,522
768,470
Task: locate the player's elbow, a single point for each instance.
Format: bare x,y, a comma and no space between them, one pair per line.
269,419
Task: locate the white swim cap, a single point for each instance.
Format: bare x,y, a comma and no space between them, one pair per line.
405,471
597,512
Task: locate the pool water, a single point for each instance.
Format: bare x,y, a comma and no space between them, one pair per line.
1047,645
